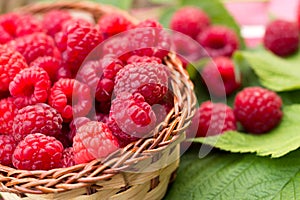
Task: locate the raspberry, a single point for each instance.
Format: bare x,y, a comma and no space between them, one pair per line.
149,23
30,86
282,37
100,117
258,109
149,79
118,46
50,64
220,77
53,21
8,110
213,119
90,73
92,141
70,97
11,63
138,59
218,41
190,21
7,147
38,118
132,114
112,24
37,152
75,125
67,159
4,36
34,46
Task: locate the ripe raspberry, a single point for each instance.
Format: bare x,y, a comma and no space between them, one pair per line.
67,159
282,37
34,46
7,147
50,64
147,59
132,114
92,141
218,41
38,118
190,21
75,125
8,110
113,23
220,77
38,152
11,63
4,36
149,79
149,23
53,21
258,109
100,117
30,86
70,98
118,46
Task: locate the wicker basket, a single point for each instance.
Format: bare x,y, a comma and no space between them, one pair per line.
108,179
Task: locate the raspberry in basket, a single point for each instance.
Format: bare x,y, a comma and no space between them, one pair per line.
67,159
11,63
38,118
75,125
7,147
93,140
53,21
4,36
8,110
30,86
137,59
258,109
38,152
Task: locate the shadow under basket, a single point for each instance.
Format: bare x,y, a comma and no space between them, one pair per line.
141,170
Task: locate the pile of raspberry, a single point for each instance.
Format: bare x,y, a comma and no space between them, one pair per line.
56,109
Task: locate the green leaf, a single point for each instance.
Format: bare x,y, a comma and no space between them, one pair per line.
124,4
278,142
236,177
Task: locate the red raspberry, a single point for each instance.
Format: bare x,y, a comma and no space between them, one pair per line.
100,117
67,159
38,118
221,77
70,97
113,23
50,64
282,37
118,46
132,114
11,63
190,21
34,46
8,110
7,148
38,152
75,125
4,36
149,79
53,21
92,141
30,86
137,59
218,41
258,109
149,23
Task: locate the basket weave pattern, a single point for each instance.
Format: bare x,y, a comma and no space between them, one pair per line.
110,178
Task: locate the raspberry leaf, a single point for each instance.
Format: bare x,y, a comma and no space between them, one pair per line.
278,142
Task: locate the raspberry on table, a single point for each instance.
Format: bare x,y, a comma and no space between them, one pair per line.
8,111
38,118
282,37
11,63
7,148
132,114
258,109
38,152
53,21
149,79
70,98
220,77
93,140
67,159
30,86
138,59
218,41
190,21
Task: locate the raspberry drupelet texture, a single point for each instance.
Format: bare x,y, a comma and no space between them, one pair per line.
282,37
190,21
8,111
70,98
4,36
38,118
75,125
7,148
67,159
258,109
148,79
38,152
218,41
138,59
11,63
93,140
30,86
53,21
